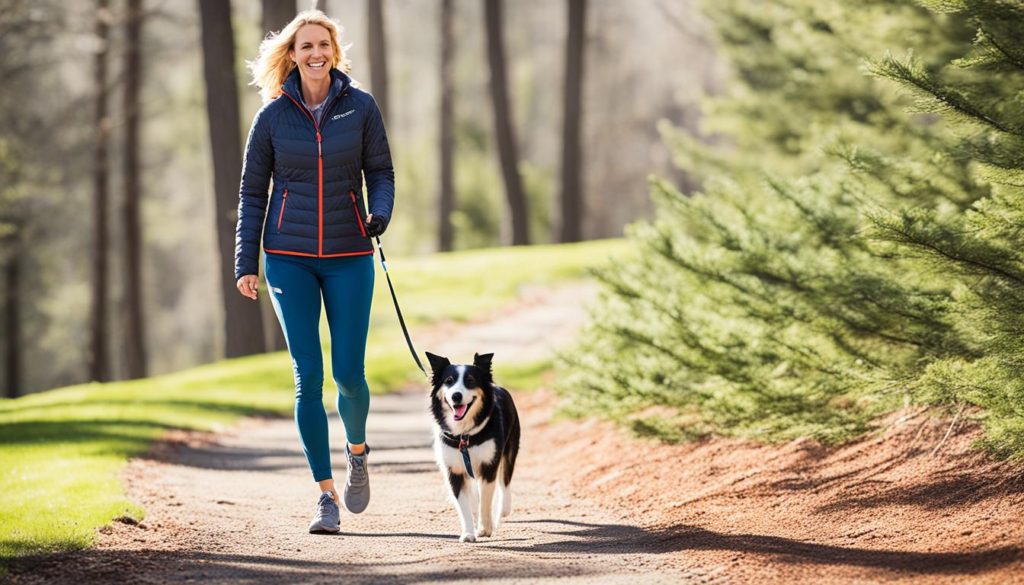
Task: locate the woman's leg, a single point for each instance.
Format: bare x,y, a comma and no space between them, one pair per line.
348,293
295,293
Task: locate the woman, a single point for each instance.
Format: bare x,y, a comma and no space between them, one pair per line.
316,137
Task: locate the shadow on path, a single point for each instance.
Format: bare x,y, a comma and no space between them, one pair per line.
114,566
620,539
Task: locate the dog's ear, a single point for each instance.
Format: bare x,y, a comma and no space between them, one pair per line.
437,365
483,361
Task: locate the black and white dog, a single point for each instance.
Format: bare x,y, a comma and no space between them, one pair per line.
476,440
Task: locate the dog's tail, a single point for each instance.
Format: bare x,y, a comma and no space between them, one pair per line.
508,461
508,458
504,507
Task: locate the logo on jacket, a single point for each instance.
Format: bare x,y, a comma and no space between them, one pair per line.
342,115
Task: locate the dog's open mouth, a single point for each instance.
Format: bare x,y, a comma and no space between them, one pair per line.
460,410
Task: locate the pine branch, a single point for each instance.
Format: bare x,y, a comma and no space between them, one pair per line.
1011,58
911,238
913,75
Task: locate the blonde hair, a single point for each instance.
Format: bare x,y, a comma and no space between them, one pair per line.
272,64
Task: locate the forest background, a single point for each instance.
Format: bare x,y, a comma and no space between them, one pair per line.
164,308
824,199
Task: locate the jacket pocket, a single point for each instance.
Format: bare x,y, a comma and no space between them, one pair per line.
280,214
359,217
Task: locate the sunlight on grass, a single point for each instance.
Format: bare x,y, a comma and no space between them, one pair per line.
61,452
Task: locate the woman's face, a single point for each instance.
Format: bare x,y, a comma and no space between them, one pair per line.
313,52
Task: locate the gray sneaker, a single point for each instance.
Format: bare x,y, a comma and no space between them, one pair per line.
357,485
327,518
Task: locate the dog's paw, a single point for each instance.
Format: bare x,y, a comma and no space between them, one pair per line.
467,537
482,532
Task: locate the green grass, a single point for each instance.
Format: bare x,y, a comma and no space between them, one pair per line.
458,285
61,451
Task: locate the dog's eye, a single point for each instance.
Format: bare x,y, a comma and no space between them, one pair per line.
469,380
449,381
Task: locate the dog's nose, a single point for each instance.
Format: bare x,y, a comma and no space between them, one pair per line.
457,398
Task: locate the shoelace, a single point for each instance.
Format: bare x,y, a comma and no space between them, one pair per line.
322,506
357,470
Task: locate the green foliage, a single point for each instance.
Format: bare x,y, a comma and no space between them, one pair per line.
772,333
978,94
852,247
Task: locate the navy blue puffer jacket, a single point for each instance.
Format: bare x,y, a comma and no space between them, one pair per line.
316,206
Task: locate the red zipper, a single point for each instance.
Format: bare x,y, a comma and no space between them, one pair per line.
359,218
280,215
319,190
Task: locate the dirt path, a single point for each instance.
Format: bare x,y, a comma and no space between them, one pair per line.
590,505
235,511
233,508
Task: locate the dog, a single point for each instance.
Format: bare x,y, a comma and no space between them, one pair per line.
476,440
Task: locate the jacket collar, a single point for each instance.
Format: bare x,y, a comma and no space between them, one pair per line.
293,85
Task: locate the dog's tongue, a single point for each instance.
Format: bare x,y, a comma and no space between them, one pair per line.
460,410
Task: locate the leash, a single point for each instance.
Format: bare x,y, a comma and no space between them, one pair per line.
464,449
401,320
463,440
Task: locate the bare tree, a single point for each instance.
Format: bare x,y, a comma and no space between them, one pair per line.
378,54
447,147
503,123
98,358
572,191
135,342
242,319
278,13
27,131
12,330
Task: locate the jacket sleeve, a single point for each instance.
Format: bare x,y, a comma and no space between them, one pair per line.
377,167
252,196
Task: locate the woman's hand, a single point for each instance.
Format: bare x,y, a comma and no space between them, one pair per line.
374,228
248,285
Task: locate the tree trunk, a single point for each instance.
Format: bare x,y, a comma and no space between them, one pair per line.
243,321
98,358
12,331
378,55
277,14
135,342
503,123
447,200
572,191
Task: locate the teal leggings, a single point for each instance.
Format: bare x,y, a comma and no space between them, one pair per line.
296,284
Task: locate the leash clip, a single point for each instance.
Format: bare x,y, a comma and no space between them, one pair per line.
464,449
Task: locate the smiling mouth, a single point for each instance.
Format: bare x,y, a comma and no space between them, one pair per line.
461,410
317,66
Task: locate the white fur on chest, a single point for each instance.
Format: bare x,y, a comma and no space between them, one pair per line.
451,458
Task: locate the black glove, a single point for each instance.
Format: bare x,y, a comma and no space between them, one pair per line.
375,227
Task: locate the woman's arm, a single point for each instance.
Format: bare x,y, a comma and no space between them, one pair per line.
377,167
257,167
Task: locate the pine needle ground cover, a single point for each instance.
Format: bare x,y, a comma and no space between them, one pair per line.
856,245
61,451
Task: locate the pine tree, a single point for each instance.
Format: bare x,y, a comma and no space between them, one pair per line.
758,305
977,92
